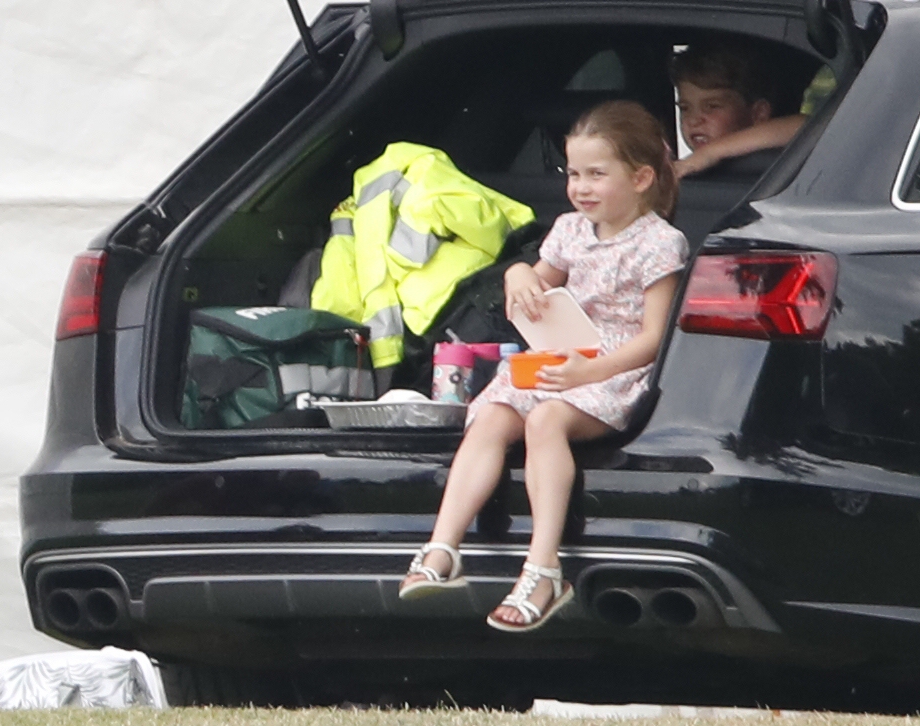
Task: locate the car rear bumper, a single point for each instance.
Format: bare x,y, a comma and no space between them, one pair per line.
92,595
274,559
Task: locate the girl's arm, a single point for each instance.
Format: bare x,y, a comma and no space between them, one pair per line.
770,134
635,353
524,286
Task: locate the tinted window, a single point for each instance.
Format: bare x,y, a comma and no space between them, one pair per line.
603,72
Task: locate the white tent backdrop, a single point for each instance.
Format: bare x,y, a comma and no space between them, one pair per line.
101,100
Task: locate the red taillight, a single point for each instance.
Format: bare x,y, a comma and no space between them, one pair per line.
768,295
80,307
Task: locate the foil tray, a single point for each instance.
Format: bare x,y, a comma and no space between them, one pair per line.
409,414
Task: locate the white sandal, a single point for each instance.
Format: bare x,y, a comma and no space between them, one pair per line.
533,616
434,581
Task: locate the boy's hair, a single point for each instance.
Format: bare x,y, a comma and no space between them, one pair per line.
638,140
724,64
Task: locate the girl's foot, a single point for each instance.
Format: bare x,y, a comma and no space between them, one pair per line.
539,593
436,567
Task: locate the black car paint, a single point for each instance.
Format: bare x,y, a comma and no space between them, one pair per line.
793,516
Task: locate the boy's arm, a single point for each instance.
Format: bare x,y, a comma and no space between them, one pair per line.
769,134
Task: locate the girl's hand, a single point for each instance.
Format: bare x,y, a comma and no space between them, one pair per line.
524,288
575,371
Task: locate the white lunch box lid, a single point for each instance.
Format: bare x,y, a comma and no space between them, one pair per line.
562,325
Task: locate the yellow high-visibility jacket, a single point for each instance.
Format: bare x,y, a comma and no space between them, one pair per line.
414,227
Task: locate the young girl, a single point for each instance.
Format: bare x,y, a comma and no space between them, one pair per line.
619,259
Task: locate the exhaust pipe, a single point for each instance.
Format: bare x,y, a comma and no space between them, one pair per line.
618,606
105,608
686,607
642,596
71,609
674,607
64,608
642,607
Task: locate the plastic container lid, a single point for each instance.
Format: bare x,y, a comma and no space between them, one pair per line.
454,354
562,325
486,351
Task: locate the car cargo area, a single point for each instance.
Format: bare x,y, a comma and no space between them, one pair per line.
498,103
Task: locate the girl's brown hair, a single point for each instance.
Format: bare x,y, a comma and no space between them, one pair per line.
638,140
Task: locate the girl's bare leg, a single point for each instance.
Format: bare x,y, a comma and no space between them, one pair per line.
474,474
549,473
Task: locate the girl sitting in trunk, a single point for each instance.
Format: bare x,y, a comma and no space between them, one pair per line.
619,258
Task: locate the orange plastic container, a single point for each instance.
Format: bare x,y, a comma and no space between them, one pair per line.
524,366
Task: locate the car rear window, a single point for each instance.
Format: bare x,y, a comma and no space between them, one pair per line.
603,72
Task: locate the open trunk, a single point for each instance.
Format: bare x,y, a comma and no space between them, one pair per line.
496,94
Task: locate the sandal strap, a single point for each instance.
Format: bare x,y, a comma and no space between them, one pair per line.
418,568
430,574
527,609
553,574
519,598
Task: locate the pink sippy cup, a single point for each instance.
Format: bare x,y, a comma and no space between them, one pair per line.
452,372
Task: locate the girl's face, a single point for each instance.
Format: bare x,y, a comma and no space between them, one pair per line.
604,188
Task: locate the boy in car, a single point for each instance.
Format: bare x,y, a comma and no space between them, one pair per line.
723,93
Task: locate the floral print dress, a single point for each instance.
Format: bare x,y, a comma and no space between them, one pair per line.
608,278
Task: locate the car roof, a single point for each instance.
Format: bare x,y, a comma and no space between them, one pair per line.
787,17
779,6
789,8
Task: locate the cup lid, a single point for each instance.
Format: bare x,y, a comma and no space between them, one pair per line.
488,351
454,354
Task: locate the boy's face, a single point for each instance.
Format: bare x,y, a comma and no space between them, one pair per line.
710,114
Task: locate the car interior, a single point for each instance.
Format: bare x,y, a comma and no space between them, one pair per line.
499,103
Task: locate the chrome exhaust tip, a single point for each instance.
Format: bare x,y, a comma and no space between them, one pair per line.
105,608
674,606
64,608
618,606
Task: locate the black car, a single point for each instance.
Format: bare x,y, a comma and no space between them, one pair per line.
752,537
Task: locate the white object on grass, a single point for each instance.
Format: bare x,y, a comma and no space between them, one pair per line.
111,678
646,711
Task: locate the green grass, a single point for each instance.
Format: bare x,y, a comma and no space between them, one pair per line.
396,717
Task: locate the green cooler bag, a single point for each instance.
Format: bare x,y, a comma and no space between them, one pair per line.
245,366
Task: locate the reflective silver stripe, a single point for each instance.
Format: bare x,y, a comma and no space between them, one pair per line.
386,323
343,226
325,381
399,191
294,377
329,380
412,245
333,381
365,385
384,183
